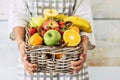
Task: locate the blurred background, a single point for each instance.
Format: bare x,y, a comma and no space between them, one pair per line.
103,61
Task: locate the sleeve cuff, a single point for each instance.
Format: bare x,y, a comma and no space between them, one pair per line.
85,33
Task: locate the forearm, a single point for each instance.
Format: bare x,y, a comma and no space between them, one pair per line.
20,34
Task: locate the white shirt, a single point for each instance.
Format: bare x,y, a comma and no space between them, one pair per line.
20,16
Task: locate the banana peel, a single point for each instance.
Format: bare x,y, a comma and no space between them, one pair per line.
83,24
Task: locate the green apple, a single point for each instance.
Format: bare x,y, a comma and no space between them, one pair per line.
37,21
51,37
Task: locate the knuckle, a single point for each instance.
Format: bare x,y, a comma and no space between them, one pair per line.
78,68
29,69
75,68
29,66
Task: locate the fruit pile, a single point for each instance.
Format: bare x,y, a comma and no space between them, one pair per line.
55,29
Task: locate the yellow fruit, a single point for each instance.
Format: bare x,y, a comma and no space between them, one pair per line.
50,13
36,39
37,21
32,24
58,56
61,16
71,37
75,28
83,24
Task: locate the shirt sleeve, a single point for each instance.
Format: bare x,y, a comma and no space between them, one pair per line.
19,15
83,10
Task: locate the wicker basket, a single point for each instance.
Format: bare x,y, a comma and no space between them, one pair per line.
44,56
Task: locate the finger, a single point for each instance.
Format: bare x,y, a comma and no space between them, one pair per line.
30,70
77,69
30,65
76,63
26,62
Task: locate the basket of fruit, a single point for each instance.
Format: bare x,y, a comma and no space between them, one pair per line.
53,41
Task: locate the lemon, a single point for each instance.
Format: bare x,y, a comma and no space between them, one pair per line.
71,37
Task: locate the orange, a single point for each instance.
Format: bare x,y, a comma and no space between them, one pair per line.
75,28
71,37
58,56
36,39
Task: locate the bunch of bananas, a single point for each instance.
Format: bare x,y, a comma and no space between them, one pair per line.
83,24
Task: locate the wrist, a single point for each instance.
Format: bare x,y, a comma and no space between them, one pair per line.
84,41
84,38
20,42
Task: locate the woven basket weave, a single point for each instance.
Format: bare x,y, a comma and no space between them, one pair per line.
44,56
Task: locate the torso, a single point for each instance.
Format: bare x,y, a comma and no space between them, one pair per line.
36,7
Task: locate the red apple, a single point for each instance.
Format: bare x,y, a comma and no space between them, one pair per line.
61,22
43,32
32,31
57,28
50,24
62,26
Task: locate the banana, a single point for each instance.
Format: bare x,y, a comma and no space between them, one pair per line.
83,24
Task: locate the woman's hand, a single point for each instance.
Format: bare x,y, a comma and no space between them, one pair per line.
31,68
78,65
